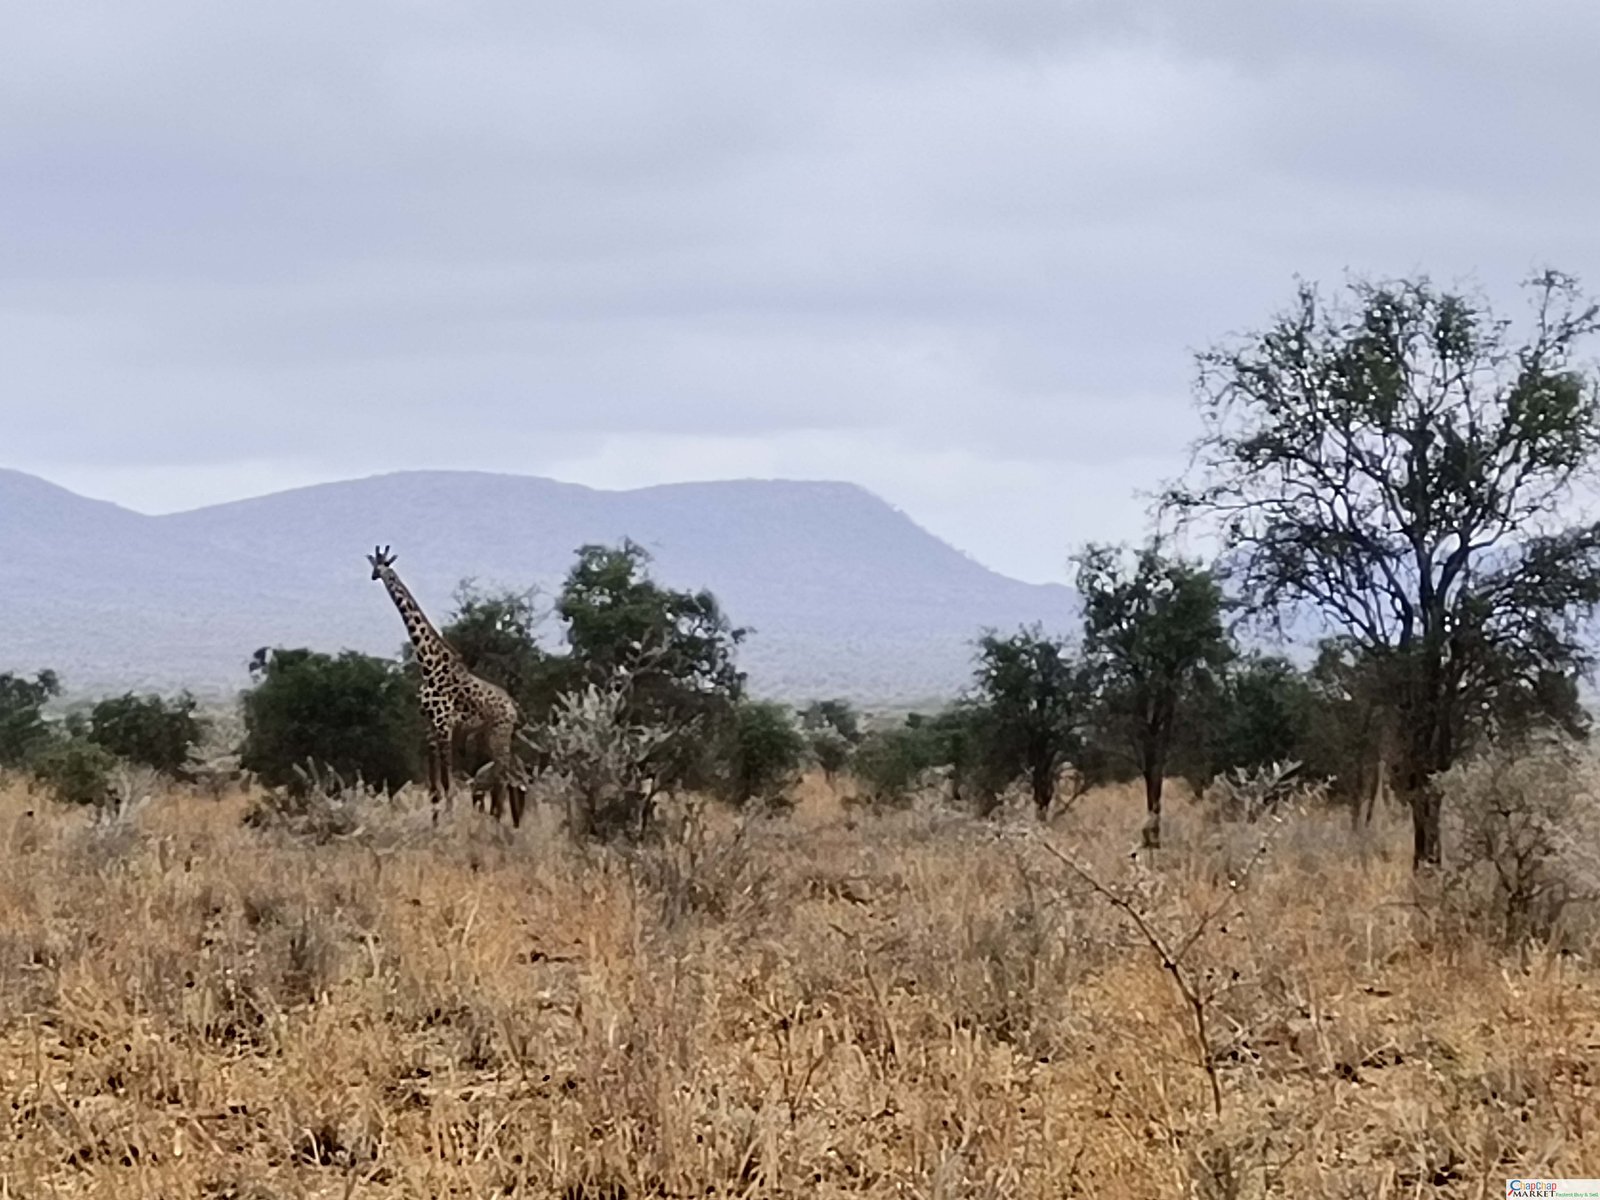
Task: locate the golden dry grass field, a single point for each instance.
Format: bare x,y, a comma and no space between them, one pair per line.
908,1005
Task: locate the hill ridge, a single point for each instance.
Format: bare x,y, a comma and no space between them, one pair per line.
847,593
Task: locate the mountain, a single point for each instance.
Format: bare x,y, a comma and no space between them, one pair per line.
113,598
845,594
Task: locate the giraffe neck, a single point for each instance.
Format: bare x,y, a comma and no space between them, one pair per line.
433,652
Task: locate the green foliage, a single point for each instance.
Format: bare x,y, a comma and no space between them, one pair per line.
969,741
149,730
832,730
1403,463
1266,712
76,771
23,730
353,713
1155,646
1357,718
497,636
1528,707
838,716
889,762
765,753
829,751
675,649
1034,700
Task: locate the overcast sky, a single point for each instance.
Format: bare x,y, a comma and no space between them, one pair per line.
958,251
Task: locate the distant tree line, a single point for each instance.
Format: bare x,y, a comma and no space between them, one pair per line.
77,756
1397,464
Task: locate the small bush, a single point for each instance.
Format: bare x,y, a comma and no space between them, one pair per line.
890,763
23,731
829,750
836,716
766,752
354,714
832,730
148,730
1249,793
695,872
603,764
76,771
320,806
1527,828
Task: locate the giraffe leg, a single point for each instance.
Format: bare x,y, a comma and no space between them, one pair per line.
442,770
519,801
514,789
507,770
521,782
438,777
497,793
487,779
482,782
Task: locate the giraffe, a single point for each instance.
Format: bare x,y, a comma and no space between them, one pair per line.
455,701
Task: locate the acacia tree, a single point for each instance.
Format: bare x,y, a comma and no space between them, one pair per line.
1033,694
1402,463
675,648
1154,641
765,751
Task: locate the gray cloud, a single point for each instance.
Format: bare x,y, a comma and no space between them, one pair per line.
957,252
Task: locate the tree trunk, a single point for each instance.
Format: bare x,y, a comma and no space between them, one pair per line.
1150,836
1424,757
1358,795
1042,782
1426,850
1375,786
1424,726
1422,797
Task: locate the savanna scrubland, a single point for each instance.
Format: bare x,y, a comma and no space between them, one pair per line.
1130,918
839,1001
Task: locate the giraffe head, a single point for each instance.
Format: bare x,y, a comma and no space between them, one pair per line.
381,561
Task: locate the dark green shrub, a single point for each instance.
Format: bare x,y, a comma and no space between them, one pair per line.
765,753
832,730
889,762
23,731
353,713
76,771
149,730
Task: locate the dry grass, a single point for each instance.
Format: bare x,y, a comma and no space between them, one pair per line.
910,1005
